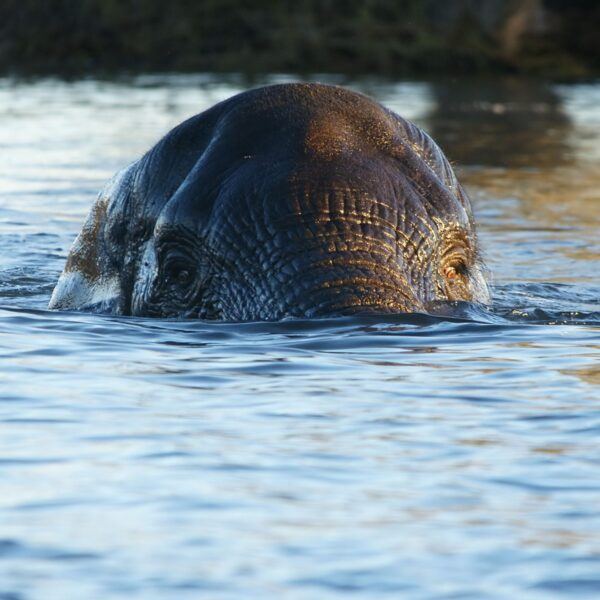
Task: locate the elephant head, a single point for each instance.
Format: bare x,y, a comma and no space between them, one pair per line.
290,200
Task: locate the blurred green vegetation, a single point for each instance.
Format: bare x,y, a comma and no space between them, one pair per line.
410,37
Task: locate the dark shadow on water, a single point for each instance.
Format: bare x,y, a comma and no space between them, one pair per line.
500,123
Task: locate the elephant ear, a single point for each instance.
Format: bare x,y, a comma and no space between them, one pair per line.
101,268
92,279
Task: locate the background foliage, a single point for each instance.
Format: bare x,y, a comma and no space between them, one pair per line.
556,37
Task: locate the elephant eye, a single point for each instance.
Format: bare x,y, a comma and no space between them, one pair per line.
455,270
183,276
450,272
180,273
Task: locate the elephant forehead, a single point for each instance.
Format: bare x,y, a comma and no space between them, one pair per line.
309,120
328,136
338,178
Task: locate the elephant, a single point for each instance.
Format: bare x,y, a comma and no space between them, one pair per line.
292,200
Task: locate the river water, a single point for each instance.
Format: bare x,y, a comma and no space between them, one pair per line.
403,457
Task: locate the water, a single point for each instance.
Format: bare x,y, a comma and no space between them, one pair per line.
403,457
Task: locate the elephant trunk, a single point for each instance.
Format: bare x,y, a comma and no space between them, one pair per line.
323,283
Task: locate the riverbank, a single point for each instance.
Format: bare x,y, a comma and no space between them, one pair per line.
411,38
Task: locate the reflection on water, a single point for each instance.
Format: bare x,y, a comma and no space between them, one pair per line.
424,456
501,123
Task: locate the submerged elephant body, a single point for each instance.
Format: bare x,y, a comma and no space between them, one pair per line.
293,200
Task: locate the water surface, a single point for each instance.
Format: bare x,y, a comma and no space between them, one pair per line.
404,457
